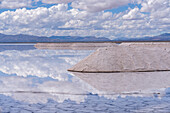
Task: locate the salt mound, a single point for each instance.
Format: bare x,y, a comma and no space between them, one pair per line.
127,58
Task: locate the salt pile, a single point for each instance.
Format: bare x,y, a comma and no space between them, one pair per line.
128,57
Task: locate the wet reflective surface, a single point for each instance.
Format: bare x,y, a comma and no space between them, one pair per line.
37,81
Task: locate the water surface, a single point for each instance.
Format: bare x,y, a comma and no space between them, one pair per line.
37,81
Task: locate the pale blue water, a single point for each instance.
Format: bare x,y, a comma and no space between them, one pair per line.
37,81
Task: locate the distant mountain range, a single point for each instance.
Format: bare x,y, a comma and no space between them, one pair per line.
34,39
30,38
162,37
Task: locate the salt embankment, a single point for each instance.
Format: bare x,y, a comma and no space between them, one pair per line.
127,57
74,46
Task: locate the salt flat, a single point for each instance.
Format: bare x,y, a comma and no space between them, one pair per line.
34,80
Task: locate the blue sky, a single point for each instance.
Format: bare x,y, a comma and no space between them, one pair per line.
100,18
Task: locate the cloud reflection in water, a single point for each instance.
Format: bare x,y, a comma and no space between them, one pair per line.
41,63
33,70
25,90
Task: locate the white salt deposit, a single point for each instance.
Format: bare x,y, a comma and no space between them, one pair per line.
128,57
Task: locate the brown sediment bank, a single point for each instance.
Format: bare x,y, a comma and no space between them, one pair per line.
94,45
127,57
74,46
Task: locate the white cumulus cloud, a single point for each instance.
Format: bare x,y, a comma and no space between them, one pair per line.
12,4
56,1
98,5
134,14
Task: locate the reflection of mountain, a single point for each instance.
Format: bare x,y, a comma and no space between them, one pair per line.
142,83
42,63
4,47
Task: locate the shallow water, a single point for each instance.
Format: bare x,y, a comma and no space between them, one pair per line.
37,81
